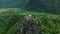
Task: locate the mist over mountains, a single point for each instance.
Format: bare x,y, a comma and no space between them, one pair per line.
12,3
51,6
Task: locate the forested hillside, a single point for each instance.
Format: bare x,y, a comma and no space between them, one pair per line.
10,19
46,12
49,6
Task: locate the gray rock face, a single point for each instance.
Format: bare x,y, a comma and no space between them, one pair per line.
28,26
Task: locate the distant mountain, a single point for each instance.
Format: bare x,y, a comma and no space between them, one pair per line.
50,6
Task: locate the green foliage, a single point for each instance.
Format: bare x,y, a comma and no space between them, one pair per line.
48,6
9,21
49,24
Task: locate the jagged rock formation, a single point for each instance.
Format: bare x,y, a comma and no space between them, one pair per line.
28,26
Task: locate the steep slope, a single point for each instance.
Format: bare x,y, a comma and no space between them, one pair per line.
50,6
36,4
9,21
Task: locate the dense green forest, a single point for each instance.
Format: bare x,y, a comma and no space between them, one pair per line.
9,21
47,13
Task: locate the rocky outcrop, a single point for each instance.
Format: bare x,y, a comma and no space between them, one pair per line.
28,25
